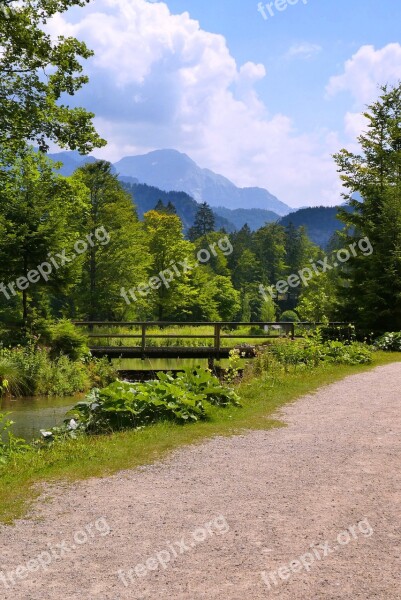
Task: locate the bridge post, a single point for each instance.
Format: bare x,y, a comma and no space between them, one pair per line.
217,337
143,341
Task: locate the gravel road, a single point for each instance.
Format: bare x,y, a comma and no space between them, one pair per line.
308,511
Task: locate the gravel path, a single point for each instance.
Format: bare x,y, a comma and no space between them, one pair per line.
315,507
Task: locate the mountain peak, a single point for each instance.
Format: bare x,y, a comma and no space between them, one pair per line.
174,171
171,170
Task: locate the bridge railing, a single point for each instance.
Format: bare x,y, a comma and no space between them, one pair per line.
218,334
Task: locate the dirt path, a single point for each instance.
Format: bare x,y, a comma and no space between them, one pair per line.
320,500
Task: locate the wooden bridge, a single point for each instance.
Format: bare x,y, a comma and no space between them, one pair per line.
215,350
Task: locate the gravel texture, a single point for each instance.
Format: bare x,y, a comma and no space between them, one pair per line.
230,509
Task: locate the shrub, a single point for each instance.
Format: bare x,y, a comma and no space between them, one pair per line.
30,371
389,342
67,340
101,371
11,378
289,316
310,353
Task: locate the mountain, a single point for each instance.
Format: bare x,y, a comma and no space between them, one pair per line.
71,160
171,170
146,197
254,217
320,222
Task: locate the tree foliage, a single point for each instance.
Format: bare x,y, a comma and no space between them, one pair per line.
37,72
370,291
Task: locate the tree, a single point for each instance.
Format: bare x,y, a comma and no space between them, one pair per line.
204,222
118,258
39,215
168,249
36,72
270,241
168,210
370,289
227,299
317,301
160,206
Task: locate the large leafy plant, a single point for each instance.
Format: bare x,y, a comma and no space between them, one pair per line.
124,405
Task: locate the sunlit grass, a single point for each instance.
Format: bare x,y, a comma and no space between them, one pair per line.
178,331
104,455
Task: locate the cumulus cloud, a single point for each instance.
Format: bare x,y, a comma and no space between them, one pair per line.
367,69
158,80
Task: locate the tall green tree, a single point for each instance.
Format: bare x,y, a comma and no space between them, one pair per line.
370,289
37,72
116,257
204,222
39,218
169,252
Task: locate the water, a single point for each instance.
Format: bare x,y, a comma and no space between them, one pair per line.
30,415
136,364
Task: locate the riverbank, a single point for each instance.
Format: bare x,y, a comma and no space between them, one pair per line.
104,455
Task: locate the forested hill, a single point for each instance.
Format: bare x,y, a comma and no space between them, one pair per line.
255,218
146,197
320,222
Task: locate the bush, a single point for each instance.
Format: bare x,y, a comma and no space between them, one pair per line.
124,405
289,316
67,340
11,378
310,353
101,371
30,371
389,342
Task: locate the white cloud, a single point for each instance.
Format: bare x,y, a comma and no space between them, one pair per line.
365,71
159,81
305,50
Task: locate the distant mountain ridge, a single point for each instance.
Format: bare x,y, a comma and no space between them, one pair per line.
255,218
170,170
146,197
320,222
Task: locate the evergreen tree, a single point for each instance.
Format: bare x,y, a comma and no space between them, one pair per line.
370,290
204,222
170,208
160,206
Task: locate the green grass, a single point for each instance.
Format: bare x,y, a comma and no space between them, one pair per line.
177,331
104,455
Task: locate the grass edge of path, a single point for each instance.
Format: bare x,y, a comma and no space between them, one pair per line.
21,479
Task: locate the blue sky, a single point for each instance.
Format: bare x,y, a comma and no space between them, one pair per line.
262,101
